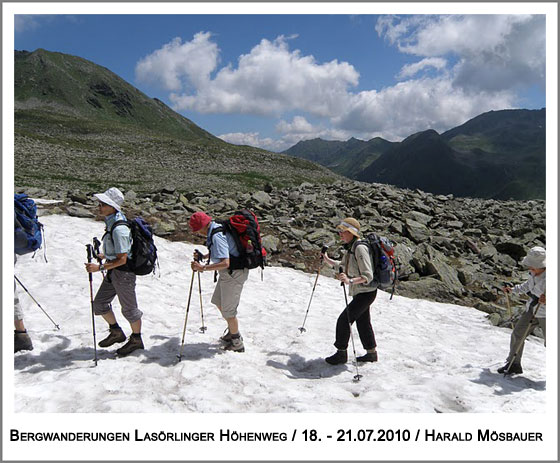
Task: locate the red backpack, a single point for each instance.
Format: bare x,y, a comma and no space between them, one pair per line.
244,227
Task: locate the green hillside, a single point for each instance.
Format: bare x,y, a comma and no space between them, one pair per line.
77,123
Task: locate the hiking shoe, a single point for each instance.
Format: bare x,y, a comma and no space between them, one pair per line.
340,357
226,337
22,341
369,357
115,335
236,344
515,369
134,343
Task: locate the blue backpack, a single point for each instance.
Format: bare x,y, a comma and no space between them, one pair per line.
28,231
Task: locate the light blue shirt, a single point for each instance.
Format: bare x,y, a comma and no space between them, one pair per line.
120,242
221,245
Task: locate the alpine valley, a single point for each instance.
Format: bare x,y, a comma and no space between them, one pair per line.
462,207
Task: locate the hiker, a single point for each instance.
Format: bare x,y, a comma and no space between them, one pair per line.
221,246
535,288
22,341
356,272
118,281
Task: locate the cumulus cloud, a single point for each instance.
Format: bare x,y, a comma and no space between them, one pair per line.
415,105
299,125
467,64
269,79
493,52
177,65
254,139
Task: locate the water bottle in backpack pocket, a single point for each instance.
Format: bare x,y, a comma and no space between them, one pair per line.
383,264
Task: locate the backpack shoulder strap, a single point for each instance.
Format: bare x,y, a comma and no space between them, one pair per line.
115,225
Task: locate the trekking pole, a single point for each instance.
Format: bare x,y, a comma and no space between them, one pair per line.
527,331
186,317
323,250
35,300
89,248
357,376
198,258
508,307
96,246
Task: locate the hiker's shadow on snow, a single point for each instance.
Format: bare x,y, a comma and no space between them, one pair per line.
300,368
166,354
508,384
58,357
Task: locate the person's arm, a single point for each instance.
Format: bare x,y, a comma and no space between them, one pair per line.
109,265
200,267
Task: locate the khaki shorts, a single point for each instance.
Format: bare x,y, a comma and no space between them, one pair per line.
228,291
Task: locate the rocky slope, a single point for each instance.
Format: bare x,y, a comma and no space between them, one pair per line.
449,249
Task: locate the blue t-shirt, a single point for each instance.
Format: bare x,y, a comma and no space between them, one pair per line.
121,240
221,245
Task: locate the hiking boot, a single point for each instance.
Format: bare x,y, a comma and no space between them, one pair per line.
115,335
22,341
226,337
515,369
134,343
369,357
340,357
236,344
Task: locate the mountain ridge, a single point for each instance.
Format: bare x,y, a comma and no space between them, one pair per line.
78,124
498,154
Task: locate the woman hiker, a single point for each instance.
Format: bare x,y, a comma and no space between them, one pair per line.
356,271
118,281
535,288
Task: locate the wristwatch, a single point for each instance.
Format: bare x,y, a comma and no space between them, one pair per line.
101,267
351,281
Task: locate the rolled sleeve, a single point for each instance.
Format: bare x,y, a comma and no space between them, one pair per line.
122,241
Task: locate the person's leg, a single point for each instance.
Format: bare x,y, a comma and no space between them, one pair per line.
230,294
125,286
102,306
22,341
519,334
355,309
363,324
542,325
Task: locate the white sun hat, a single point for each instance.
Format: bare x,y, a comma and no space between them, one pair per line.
113,197
535,258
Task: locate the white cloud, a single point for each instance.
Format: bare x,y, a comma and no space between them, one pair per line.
468,64
494,52
253,139
177,65
299,125
416,105
268,80
410,70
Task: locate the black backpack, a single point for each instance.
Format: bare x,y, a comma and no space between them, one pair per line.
143,258
244,227
382,253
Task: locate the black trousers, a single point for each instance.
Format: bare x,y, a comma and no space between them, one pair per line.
357,311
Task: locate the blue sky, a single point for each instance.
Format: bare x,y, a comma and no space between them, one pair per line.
272,80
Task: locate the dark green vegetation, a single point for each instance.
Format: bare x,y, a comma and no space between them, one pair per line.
499,155
78,124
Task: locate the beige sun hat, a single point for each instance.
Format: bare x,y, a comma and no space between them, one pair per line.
113,197
535,258
350,224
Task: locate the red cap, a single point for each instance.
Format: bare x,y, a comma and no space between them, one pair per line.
199,220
